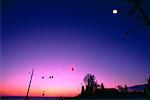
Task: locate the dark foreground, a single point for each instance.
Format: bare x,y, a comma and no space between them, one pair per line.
58,98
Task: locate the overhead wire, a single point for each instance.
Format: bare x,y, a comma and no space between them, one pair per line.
98,55
112,65
90,58
102,55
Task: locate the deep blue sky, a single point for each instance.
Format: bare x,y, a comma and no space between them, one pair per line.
83,33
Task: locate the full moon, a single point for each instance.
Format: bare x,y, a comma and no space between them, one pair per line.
115,11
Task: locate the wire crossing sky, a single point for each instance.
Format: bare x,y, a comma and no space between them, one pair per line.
54,36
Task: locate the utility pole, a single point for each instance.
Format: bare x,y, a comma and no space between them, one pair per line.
27,97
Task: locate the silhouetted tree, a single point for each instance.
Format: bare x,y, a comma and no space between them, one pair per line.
90,83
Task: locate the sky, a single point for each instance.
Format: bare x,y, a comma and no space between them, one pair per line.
54,36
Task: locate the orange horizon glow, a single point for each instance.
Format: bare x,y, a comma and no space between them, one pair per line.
38,92
49,92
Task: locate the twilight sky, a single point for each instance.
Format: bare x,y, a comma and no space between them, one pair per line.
52,36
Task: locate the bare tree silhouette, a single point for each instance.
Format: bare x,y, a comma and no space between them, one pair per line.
90,83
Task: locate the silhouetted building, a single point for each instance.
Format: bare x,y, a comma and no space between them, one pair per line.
137,88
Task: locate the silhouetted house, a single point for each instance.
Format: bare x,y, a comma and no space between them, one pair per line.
111,90
137,88
107,92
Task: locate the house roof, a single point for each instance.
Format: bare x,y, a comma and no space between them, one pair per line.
137,87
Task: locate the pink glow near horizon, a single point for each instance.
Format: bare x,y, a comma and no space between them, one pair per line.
46,63
65,83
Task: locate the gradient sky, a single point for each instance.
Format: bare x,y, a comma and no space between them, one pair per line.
53,36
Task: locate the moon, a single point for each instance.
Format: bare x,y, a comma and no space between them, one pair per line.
115,11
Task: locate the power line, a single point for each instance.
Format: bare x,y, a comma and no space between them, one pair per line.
102,55
89,58
116,60
99,54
